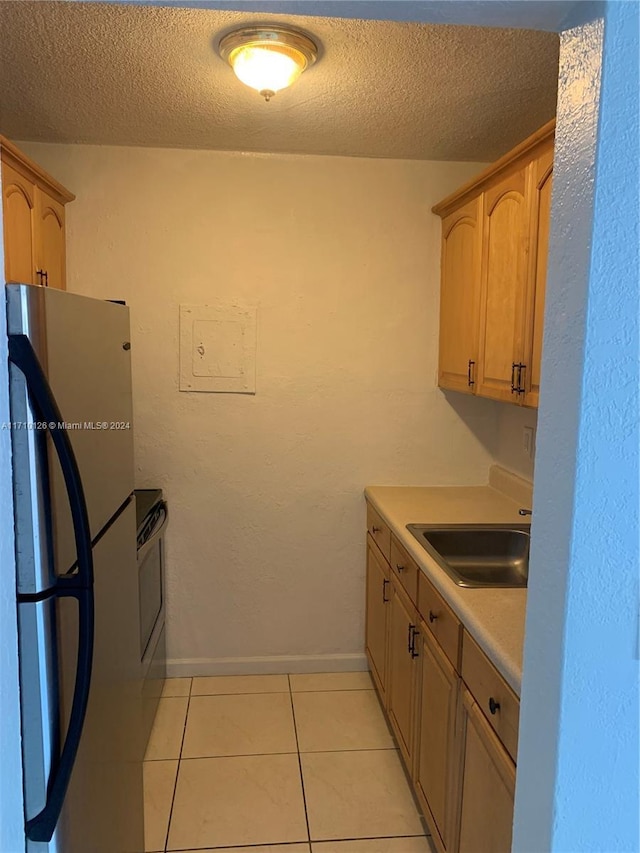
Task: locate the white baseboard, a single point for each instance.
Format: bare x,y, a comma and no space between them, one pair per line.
187,667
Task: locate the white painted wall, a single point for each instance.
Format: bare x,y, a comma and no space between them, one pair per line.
266,541
509,450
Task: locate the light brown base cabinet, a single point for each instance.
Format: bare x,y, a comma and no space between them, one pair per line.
435,775
33,221
377,616
404,656
488,775
454,718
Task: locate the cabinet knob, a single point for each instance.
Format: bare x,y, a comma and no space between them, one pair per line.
432,616
494,706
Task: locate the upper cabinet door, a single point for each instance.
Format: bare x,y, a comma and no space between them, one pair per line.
459,297
540,225
503,285
18,197
50,246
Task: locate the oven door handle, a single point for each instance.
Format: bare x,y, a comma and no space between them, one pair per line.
147,546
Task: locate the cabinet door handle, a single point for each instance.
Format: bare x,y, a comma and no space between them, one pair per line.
41,274
414,653
516,377
384,591
494,706
470,380
410,637
375,530
432,616
521,370
399,568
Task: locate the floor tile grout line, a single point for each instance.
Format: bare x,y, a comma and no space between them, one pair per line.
304,796
285,844
286,752
250,693
175,784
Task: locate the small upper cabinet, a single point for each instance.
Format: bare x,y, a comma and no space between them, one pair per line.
505,248
18,202
50,240
495,234
34,221
459,295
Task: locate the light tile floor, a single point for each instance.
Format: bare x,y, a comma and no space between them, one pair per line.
276,764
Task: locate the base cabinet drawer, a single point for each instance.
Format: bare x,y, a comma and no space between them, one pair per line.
405,569
488,781
496,700
379,532
440,619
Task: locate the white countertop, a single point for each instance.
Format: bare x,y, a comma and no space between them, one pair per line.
494,617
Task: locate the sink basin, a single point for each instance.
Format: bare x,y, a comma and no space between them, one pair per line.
478,555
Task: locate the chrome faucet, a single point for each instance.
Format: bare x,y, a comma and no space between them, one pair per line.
525,512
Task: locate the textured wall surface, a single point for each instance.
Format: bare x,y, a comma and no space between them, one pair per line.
578,754
266,540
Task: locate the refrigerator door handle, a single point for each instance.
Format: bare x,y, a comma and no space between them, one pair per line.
80,585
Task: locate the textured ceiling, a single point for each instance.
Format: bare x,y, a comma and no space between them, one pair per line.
127,75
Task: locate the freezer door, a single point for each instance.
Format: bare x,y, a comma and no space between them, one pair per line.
103,810
83,347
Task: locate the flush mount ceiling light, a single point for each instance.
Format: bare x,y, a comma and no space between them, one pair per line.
268,58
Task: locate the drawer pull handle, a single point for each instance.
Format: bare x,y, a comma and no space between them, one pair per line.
375,530
432,616
494,706
399,567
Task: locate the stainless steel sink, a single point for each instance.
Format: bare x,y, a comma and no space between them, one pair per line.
478,555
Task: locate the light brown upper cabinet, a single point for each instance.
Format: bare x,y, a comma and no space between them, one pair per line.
495,233
540,222
503,284
34,221
459,296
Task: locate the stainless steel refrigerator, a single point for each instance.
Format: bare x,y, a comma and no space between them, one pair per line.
77,595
